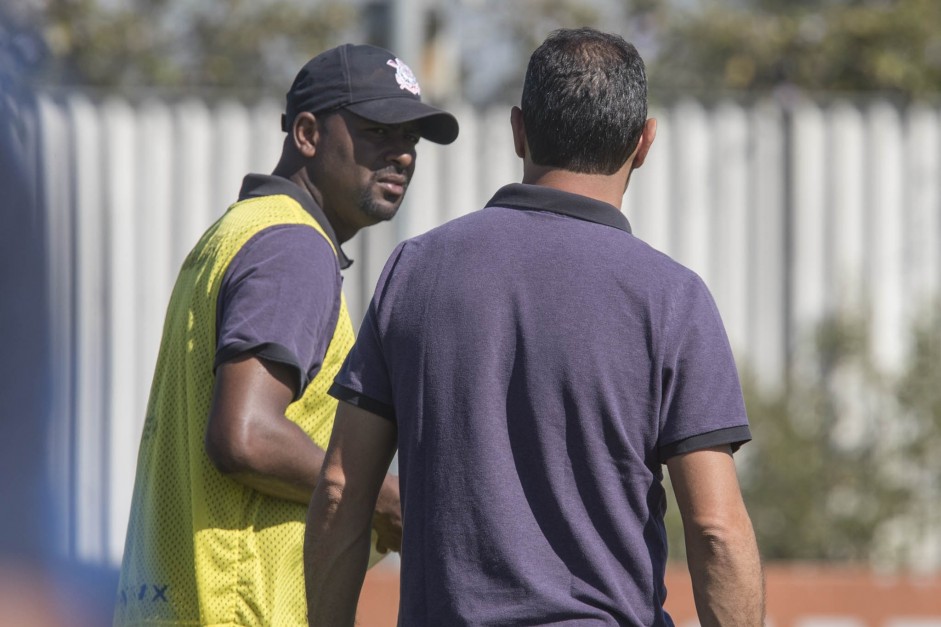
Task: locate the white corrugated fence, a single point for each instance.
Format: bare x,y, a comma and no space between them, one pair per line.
789,214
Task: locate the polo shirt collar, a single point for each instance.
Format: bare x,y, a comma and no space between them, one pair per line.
541,198
257,185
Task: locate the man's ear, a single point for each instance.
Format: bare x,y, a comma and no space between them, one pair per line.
305,134
643,144
519,132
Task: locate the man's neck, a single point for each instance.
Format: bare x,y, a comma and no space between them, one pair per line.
604,187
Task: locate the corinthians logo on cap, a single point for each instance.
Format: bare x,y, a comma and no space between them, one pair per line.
404,76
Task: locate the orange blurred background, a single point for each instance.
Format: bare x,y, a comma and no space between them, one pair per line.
796,594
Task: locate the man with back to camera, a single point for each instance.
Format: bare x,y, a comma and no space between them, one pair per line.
256,330
537,365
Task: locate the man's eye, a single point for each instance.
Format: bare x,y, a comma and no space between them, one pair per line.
413,137
379,130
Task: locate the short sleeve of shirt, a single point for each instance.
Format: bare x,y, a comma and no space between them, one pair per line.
702,396
279,300
364,378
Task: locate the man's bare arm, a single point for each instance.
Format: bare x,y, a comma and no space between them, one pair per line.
336,544
723,559
250,439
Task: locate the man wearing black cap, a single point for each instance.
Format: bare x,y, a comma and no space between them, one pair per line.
256,329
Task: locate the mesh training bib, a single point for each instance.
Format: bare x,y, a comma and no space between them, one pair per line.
202,549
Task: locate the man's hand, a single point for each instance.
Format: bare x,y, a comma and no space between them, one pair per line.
387,519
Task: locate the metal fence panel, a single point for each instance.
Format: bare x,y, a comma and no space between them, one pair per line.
790,213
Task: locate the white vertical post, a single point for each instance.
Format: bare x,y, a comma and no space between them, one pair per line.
692,209
922,235
767,356
231,142
846,240
193,194
459,174
885,190
731,216
91,331
154,226
809,271
266,136
121,147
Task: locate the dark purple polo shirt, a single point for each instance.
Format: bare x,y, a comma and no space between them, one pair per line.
280,295
541,364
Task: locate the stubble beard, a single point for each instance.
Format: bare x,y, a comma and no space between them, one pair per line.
376,210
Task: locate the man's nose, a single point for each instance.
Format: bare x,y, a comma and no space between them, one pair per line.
402,154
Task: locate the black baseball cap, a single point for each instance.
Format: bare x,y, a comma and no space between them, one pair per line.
372,83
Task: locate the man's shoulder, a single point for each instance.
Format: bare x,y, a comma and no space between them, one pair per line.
468,225
658,260
268,208
289,246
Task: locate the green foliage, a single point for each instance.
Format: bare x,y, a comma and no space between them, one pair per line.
920,389
225,43
890,47
844,453
757,46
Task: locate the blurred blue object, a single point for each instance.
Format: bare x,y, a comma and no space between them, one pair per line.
38,585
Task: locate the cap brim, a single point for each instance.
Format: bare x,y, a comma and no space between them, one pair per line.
434,124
